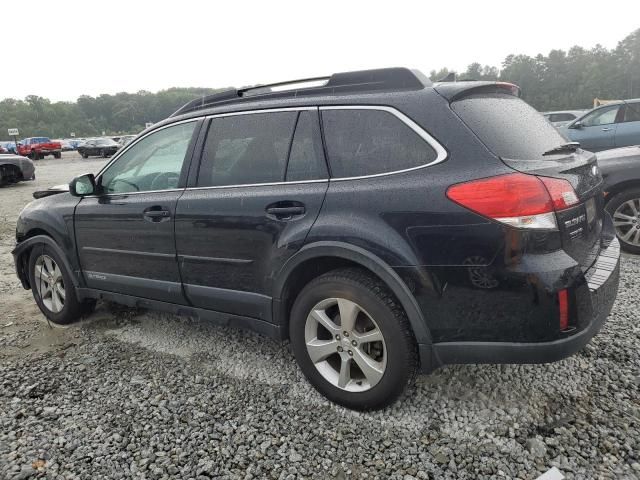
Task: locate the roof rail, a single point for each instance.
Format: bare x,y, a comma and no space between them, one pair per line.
363,81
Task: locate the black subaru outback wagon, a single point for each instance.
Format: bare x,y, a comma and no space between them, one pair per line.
382,223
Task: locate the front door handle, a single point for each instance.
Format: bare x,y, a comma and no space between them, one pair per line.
606,129
156,214
285,210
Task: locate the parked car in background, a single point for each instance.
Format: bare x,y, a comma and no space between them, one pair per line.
608,126
620,169
39,147
332,214
125,140
66,146
3,150
101,147
563,117
10,147
15,168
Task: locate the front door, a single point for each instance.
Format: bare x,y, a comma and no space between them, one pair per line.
597,129
125,234
258,192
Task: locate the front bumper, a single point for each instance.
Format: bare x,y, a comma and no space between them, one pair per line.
594,301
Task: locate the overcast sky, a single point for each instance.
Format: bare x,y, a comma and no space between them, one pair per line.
66,48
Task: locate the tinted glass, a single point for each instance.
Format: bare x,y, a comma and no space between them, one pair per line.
306,161
562,117
604,116
632,112
154,163
508,126
368,142
246,149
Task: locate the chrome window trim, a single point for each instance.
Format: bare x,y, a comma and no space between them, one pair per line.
133,142
441,153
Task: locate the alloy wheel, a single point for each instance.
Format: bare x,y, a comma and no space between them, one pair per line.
626,220
345,345
50,283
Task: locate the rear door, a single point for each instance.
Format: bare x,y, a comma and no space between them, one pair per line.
515,132
258,191
125,235
628,130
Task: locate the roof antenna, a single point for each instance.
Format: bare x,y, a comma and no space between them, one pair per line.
451,77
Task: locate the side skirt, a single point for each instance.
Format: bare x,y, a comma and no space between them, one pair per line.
219,318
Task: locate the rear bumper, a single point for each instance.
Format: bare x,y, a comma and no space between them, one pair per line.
595,299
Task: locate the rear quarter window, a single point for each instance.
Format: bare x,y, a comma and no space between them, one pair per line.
368,142
508,126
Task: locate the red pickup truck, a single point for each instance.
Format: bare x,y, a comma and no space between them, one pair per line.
39,147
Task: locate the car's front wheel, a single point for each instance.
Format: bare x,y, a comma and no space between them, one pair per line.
85,155
353,340
624,209
53,288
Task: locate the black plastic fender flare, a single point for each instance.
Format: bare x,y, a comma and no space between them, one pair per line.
24,247
368,260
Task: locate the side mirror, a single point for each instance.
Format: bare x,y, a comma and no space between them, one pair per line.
577,125
83,185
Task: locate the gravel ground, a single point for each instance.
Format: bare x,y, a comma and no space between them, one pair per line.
133,394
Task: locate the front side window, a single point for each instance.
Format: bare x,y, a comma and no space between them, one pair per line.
604,116
368,142
247,149
154,163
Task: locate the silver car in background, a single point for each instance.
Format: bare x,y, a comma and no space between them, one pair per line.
561,118
15,168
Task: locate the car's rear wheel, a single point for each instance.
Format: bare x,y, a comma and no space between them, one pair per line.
624,209
53,289
57,155
352,339
85,155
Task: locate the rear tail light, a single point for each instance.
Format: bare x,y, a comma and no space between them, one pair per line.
516,199
563,303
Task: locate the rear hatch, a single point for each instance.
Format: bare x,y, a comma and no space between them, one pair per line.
525,141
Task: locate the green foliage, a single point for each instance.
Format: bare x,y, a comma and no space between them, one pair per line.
89,116
567,80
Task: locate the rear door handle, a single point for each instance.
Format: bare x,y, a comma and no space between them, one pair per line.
156,214
606,129
281,212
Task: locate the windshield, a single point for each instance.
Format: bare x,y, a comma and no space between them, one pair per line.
508,126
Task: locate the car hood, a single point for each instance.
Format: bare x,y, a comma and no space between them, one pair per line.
56,189
17,160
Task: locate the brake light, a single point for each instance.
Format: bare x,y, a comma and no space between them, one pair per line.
563,303
516,199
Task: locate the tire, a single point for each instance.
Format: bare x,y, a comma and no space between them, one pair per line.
59,304
395,356
624,209
103,153
85,155
57,155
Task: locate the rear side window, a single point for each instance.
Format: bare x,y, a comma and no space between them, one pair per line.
306,161
369,142
632,112
508,126
247,149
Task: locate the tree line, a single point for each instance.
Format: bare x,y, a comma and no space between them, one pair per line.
560,80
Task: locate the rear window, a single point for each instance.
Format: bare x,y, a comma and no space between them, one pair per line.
508,126
369,142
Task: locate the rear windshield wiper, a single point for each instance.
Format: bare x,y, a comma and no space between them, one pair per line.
565,147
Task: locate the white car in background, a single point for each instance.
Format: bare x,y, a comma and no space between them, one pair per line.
561,118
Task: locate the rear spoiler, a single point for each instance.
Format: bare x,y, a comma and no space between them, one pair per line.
455,90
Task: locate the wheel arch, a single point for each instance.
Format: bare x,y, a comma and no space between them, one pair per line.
23,250
620,187
321,257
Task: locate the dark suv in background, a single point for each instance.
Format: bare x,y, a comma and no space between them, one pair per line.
382,223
